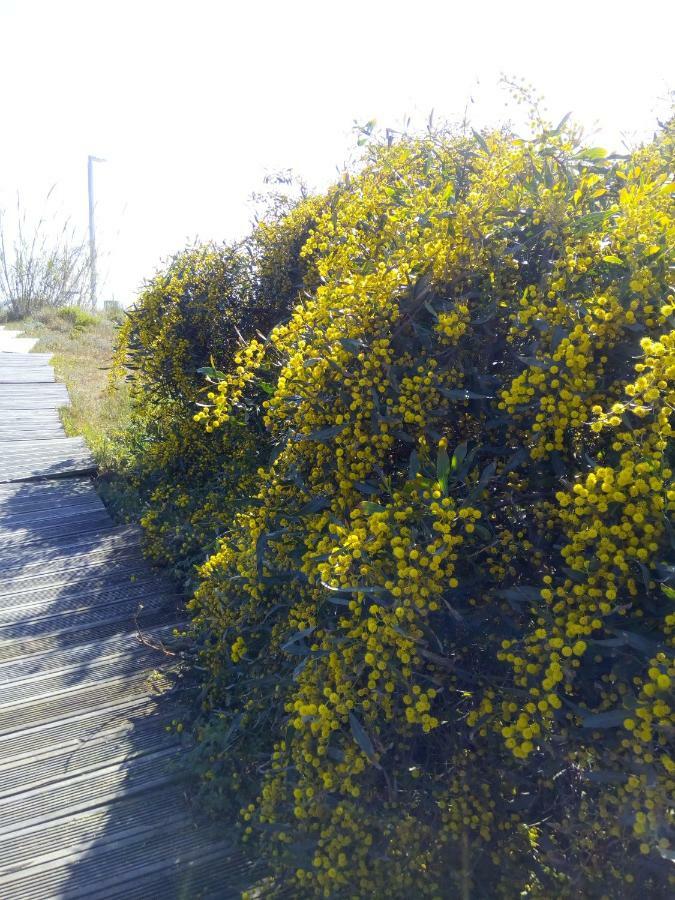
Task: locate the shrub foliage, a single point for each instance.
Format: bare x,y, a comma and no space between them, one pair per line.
437,623
189,321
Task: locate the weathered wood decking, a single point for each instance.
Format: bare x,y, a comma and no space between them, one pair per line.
92,801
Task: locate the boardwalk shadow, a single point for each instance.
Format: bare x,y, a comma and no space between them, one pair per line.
94,800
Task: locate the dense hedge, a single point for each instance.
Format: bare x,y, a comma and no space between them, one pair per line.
188,321
438,628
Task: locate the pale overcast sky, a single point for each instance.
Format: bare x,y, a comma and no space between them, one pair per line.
192,102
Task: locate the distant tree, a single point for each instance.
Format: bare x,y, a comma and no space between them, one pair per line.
45,264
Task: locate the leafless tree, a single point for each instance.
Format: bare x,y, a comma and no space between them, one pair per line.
41,265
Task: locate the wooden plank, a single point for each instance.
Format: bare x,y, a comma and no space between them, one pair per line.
94,549
28,433
140,861
54,490
27,376
60,633
33,605
126,567
17,424
58,841
122,741
222,871
79,699
26,454
30,418
37,520
25,460
169,866
20,515
26,418
73,465
50,447
17,357
45,534
123,563
8,364
12,390
91,557
45,803
72,733
31,397
49,674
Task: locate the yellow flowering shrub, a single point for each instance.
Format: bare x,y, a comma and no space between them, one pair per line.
438,629
185,327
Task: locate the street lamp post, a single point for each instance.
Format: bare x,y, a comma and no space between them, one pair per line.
92,231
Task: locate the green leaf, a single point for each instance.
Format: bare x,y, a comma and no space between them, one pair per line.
323,434
516,459
611,719
574,574
458,456
615,260
443,468
592,153
429,308
339,601
212,373
561,124
558,336
480,140
369,507
486,476
293,644
370,590
536,362
630,639
261,547
591,220
364,487
297,671
462,394
485,317
315,505
353,345
522,593
362,737
557,464
668,591
267,387
605,777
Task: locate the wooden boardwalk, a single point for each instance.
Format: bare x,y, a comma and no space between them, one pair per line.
93,802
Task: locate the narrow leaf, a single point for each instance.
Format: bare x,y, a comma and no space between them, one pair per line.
611,719
362,737
458,456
